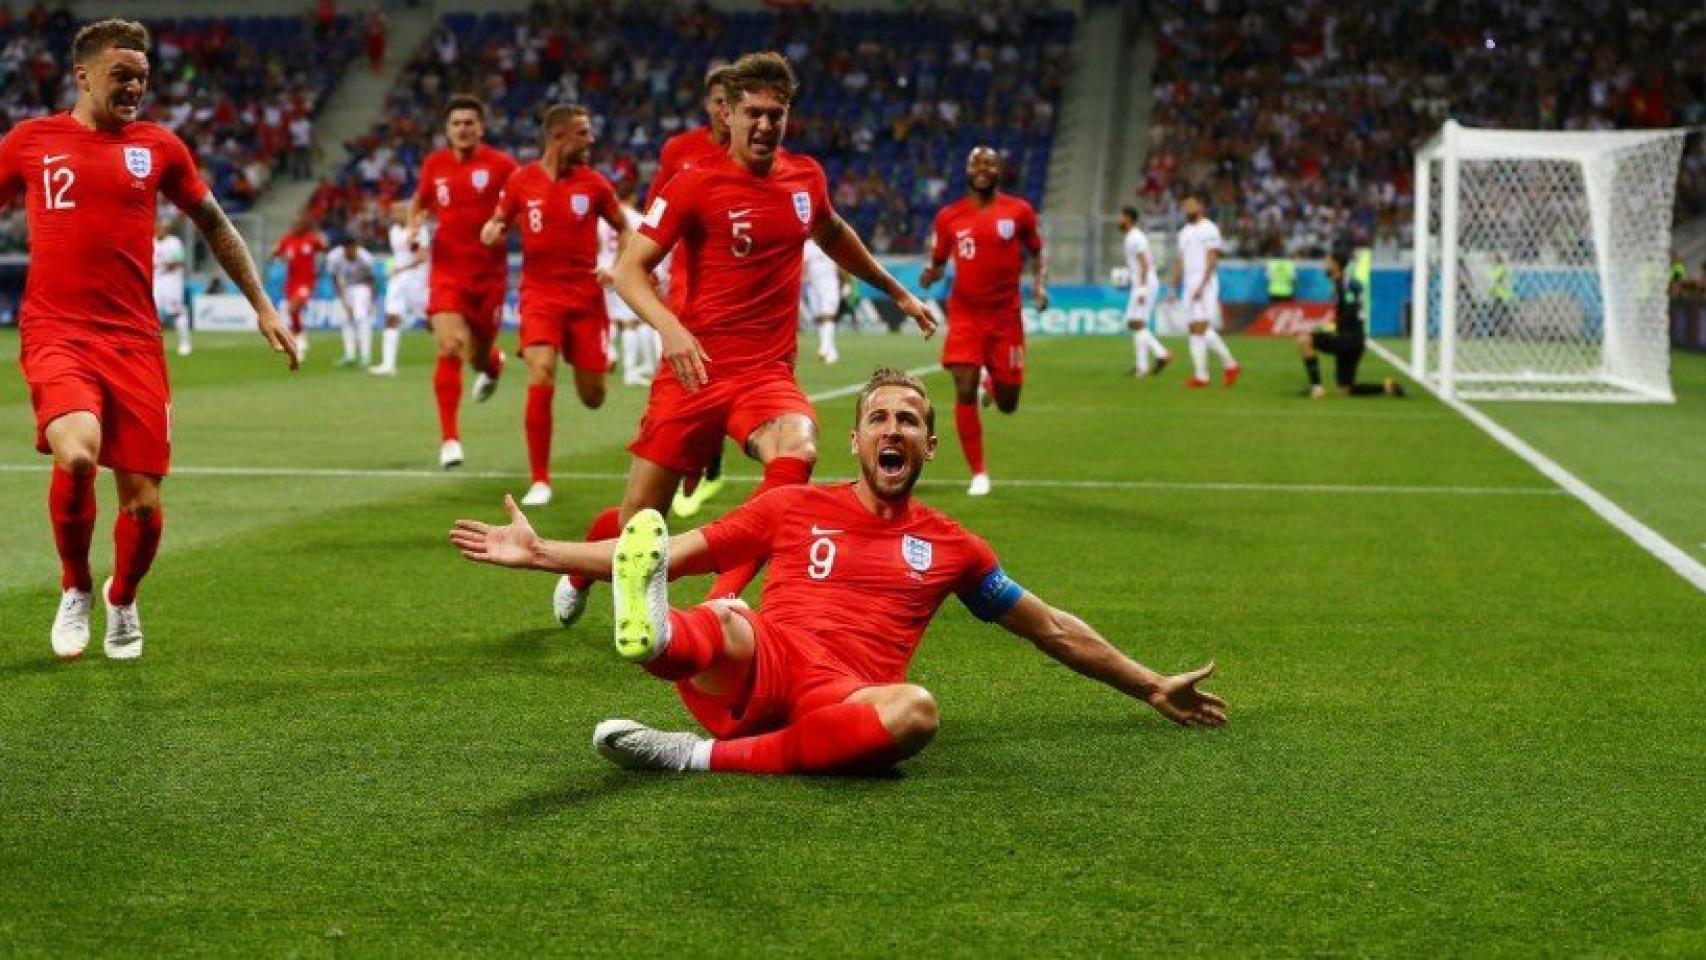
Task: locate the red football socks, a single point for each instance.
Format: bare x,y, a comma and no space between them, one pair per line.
779,472
447,385
695,639
135,542
840,738
71,507
969,425
538,424
494,362
605,526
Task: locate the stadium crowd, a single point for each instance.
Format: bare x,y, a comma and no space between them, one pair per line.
1299,120
891,116
241,91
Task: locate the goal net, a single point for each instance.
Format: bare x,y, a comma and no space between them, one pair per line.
1542,264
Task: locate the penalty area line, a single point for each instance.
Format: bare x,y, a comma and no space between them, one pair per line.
1644,536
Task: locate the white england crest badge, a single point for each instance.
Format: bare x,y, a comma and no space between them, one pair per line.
803,206
481,177
1004,227
139,161
917,553
580,203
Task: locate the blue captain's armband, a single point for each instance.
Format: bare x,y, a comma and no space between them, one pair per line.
994,596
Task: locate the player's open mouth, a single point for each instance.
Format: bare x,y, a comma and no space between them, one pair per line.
891,461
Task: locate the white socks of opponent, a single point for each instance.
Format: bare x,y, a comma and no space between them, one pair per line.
1201,344
1147,345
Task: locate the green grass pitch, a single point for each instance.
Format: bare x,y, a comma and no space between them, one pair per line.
1466,716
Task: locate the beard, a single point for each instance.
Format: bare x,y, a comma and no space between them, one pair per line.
891,489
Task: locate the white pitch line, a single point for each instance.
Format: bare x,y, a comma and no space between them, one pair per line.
1644,536
1210,486
853,388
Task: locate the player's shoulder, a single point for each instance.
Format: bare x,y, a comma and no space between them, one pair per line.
1015,202
930,523
54,123
800,164
492,154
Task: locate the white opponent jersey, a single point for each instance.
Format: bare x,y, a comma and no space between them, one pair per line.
407,262
1137,245
1195,242
348,271
607,243
169,254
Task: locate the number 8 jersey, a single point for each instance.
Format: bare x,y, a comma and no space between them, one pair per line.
90,202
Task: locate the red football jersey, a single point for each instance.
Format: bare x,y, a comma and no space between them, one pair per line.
90,201
988,246
298,251
743,237
863,587
558,218
683,152
463,193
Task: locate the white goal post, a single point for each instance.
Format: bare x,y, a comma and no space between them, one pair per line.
1541,264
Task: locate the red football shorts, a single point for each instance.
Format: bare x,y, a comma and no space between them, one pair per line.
575,326
299,292
792,675
683,431
123,385
994,341
479,300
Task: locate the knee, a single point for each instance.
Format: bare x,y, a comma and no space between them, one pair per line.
591,394
452,346
80,462
141,505
911,717
541,375
1008,403
799,446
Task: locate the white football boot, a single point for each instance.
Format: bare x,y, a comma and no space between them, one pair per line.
567,602
71,624
450,454
124,628
635,746
537,495
979,485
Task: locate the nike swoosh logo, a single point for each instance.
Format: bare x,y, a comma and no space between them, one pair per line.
54,158
737,214
818,531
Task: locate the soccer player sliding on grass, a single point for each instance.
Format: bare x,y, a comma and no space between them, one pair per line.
814,681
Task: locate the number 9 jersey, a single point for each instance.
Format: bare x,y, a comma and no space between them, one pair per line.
90,202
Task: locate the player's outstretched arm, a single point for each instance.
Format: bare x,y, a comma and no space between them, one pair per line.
516,544
633,276
841,242
1076,644
233,256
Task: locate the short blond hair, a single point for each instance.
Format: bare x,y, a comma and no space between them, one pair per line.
103,35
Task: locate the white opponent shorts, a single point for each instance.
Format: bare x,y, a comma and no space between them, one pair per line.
1204,309
169,301
1140,304
823,292
406,296
359,300
618,308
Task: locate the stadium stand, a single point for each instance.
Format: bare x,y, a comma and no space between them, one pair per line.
891,117
232,87
1300,120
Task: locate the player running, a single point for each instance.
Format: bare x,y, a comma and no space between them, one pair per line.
822,299
685,150
405,287
169,283
459,185
1140,306
815,680
352,273
90,340
300,249
559,202
740,223
639,342
988,233
1197,263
